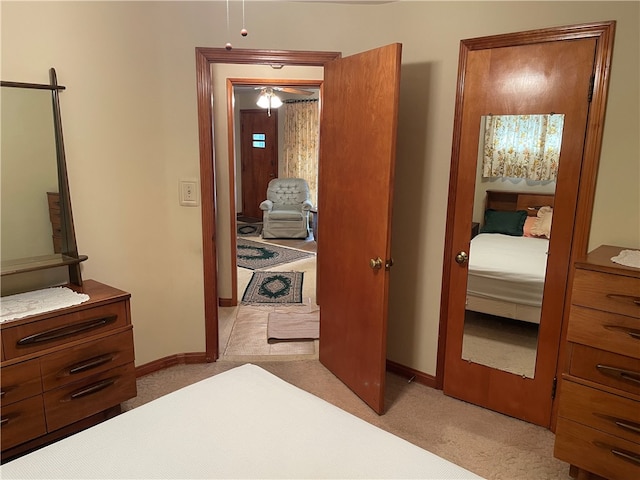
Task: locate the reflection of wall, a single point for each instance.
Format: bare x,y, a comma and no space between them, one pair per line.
29,171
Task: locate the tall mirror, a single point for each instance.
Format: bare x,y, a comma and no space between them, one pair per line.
518,159
37,231
502,331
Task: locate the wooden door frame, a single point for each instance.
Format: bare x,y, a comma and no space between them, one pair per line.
231,83
205,57
604,33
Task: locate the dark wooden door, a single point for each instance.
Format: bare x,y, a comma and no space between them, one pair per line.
531,77
259,157
357,160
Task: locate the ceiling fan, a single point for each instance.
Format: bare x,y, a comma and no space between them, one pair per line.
268,99
295,91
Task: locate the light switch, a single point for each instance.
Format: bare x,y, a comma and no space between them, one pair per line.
189,193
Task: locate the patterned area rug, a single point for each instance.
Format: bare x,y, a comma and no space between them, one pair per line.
269,288
249,229
258,255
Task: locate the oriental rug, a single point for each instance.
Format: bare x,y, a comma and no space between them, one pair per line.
249,229
274,288
257,255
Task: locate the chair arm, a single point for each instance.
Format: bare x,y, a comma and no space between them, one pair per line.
307,205
266,205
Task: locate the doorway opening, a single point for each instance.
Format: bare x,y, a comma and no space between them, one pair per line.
205,59
262,151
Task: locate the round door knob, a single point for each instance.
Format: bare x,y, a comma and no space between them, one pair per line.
376,264
462,258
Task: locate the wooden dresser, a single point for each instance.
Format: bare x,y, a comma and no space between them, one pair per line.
598,428
65,370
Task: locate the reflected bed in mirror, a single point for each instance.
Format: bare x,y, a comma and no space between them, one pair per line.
507,268
37,225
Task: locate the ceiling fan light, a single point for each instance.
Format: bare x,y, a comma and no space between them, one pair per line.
275,101
268,99
263,101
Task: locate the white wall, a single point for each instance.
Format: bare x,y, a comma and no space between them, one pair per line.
130,124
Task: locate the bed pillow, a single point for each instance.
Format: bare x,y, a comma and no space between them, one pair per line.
542,228
507,223
528,226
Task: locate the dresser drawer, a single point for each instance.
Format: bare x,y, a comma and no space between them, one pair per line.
87,359
597,452
607,292
22,421
58,330
608,331
606,368
79,400
619,416
20,381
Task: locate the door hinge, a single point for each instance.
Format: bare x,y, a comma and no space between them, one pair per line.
554,387
591,83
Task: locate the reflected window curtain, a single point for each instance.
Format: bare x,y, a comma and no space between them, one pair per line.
522,146
301,136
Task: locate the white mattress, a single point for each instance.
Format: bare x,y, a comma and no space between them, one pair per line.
244,423
508,268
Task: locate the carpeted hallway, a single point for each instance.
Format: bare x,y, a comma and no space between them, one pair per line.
489,444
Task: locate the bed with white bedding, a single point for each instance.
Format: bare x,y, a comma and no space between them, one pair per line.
508,259
506,275
243,423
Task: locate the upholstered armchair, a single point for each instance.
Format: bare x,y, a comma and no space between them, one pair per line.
285,212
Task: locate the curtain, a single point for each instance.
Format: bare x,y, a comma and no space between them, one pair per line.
522,146
301,136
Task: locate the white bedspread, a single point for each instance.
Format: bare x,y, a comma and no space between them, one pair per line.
508,268
244,423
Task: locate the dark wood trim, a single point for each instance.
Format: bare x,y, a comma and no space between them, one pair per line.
171,361
227,302
204,58
207,197
413,375
605,32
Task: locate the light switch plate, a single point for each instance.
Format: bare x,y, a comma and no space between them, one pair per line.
188,190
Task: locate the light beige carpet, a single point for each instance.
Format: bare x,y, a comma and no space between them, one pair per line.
501,343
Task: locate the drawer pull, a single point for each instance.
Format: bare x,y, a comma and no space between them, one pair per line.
4,421
633,427
632,457
90,364
66,331
91,389
624,298
627,375
632,332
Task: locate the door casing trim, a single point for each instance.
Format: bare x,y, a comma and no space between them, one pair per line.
205,56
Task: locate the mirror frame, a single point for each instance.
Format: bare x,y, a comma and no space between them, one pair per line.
69,256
